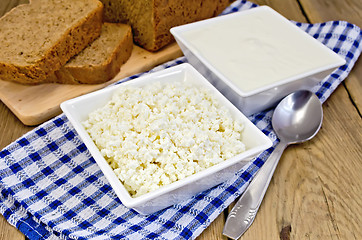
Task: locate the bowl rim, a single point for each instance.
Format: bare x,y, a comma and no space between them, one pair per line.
177,33
69,108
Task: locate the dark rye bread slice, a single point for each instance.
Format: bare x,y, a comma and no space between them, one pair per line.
152,20
101,60
36,39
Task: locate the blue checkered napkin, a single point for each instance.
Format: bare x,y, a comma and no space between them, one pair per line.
52,188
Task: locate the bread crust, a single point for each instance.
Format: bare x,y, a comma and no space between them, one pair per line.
70,42
151,20
112,56
168,14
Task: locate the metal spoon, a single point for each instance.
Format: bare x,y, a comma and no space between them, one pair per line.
296,119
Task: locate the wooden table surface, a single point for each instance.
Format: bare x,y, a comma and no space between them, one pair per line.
316,190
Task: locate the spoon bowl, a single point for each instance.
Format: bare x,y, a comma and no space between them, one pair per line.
296,119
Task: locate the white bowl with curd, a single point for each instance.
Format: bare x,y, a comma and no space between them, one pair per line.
255,57
164,137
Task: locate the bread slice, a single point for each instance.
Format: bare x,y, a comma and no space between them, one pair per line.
101,60
36,39
151,20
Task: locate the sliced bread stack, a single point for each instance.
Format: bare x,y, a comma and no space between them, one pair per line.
101,60
151,20
61,41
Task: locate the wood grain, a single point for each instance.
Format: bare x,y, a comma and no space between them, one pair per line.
316,190
212,232
9,4
350,11
10,129
9,232
36,104
288,8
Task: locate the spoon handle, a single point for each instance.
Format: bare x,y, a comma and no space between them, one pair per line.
243,213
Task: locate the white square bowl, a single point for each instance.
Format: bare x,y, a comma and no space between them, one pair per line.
77,111
255,57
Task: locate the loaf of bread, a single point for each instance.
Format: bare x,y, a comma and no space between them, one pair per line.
151,20
36,39
101,60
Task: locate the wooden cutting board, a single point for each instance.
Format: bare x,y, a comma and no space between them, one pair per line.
36,104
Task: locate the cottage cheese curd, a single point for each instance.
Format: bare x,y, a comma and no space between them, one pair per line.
162,133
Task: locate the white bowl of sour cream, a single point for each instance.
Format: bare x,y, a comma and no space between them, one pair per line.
255,57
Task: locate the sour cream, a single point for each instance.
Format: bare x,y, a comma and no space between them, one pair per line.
257,49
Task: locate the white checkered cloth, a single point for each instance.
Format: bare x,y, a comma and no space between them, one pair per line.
52,188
